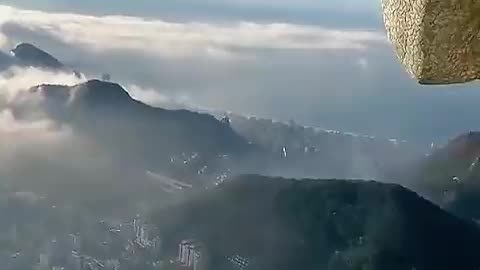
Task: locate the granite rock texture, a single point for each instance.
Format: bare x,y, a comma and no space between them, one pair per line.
436,40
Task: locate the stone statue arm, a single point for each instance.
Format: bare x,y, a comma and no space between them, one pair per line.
437,41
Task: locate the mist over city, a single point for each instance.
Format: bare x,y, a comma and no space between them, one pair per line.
228,134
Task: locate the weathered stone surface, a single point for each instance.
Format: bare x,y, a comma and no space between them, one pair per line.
436,40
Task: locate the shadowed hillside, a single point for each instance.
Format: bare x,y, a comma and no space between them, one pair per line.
324,224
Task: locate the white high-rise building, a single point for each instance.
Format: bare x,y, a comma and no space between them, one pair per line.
186,253
44,262
197,256
191,255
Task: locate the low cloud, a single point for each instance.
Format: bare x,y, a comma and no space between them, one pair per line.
17,80
14,95
35,147
156,98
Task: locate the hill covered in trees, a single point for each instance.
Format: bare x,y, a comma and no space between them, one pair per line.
323,224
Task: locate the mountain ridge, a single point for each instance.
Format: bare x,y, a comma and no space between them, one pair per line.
140,134
30,55
324,224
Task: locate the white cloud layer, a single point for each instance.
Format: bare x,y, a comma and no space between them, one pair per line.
154,98
34,146
14,86
16,80
163,38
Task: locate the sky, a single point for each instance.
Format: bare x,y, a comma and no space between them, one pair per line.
311,11
320,63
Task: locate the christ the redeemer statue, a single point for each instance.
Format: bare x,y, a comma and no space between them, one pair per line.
437,41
